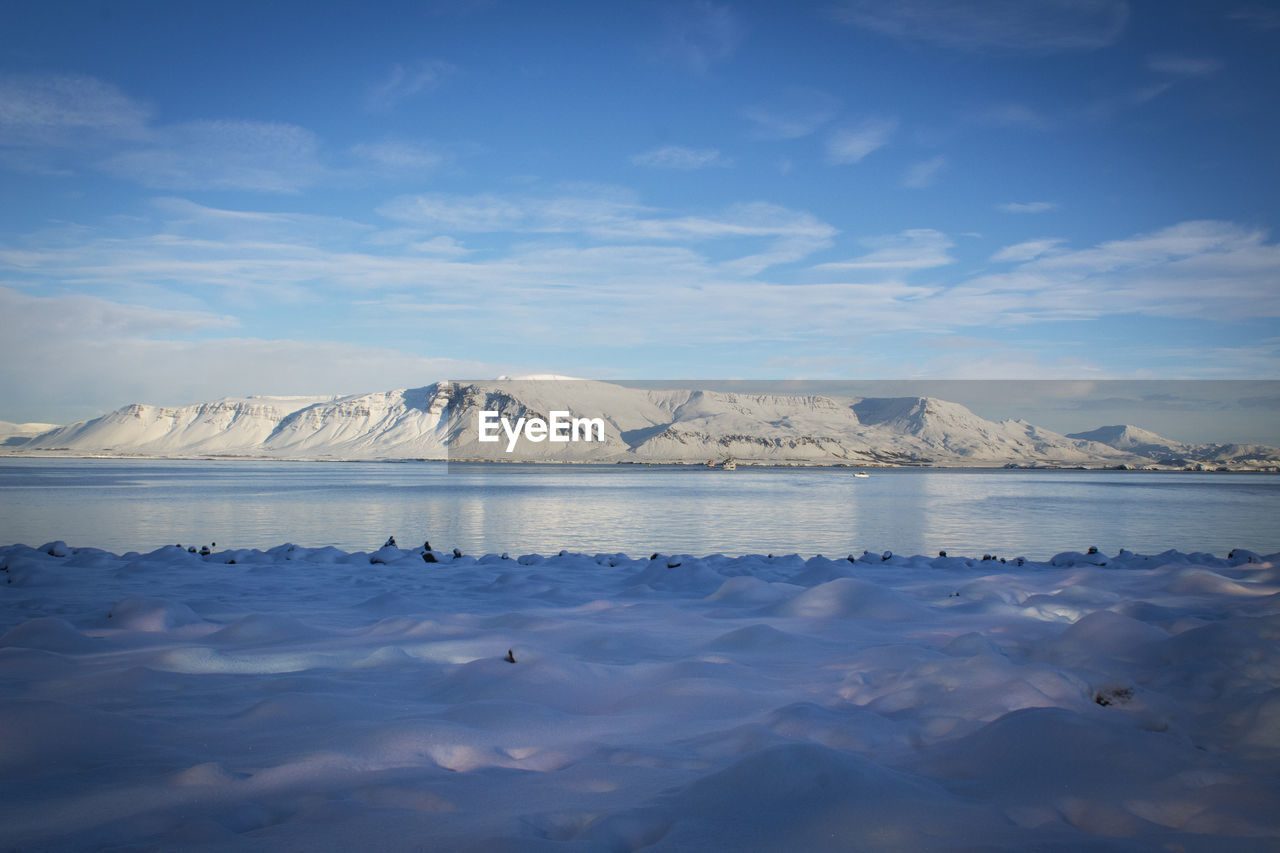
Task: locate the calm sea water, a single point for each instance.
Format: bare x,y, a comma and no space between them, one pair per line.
124,505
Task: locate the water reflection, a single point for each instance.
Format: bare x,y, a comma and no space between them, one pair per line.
128,504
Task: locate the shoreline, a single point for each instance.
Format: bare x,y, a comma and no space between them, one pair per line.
983,465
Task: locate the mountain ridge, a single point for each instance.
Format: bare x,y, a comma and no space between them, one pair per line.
439,421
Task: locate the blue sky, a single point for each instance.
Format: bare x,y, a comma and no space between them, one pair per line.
208,199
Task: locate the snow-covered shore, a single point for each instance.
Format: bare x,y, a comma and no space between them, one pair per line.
324,700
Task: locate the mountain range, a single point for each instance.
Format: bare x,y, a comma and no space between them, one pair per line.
439,421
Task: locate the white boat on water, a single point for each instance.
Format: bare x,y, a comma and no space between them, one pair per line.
729,465
861,474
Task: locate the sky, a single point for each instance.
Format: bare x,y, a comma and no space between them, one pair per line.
222,199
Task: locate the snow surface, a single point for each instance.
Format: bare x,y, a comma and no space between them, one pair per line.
314,699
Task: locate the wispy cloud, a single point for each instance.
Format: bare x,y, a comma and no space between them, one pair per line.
1002,26
1204,270
246,155
398,156
1029,206
851,144
50,122
925,173
698,35
679,157
1014,115
492,212
1184,66
1027,250
81,315
792,115
913,249
63,110
101,355
1258,17
633,275
406,81
69,123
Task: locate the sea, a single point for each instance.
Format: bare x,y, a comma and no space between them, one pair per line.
124,505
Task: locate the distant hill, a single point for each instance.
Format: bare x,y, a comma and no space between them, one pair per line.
1176,454
439,421
14,435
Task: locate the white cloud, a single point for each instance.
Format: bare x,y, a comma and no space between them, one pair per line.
1202,270
66,110
627,275
1015,115
1001,26
29,318
191,220
245,155
913,249
617,216
398,156
795,113
490,212
925,173
1029,206
404,82
849,145
679,157
441,246
1184,66
700,34
1027,250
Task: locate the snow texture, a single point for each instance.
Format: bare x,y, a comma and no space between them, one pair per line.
314,699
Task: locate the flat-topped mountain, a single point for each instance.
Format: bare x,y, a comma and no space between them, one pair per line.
440,421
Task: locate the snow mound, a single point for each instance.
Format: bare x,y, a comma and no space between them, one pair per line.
849,598
151,614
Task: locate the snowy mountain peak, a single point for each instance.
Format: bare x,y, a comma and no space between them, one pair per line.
1124,437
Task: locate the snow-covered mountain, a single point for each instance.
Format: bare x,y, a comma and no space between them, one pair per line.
1179,454
14,435
440,421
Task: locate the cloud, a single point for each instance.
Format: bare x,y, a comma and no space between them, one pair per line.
925,173
221,155
405,82
679,157
1257,17
96,373
1026,251
913,249
50,122
66,110
797,113
628,275
398,156
1201,270
849,145
1038,27
209,225
1029,206
1184,66
699,35
30,318
1015,115
613,215
490,212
